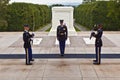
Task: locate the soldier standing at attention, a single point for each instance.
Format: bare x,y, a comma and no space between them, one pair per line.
98,44
62,35
27,44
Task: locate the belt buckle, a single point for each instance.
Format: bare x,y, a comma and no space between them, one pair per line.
61,34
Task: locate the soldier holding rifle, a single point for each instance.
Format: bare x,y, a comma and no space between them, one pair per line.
27,44
98,43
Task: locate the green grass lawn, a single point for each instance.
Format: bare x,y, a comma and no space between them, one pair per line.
77,29
48,30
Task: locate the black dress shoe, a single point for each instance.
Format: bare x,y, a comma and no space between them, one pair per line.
32,60
29,64
96,63
62,55
94,60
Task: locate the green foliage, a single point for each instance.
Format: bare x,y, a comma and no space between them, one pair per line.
105,12
3,8
3,14
76,29
56,5
26,13
48,29
3,25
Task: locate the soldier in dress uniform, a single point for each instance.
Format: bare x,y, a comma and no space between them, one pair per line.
62,35
98,43
27,44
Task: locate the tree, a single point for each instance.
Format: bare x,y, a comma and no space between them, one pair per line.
55,5
105,12
3,14
3,8
26,13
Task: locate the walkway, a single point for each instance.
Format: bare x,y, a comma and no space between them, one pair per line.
45,28
59,68
81,28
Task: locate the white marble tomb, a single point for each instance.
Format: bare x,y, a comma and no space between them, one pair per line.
66,14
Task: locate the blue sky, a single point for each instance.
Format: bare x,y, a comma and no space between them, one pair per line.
48,1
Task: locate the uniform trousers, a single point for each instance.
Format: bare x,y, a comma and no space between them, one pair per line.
62,46
28,52
98,53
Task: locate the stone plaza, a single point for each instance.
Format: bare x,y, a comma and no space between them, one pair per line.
59,68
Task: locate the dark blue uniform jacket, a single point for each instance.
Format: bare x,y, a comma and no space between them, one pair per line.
98,41
27,39
62,33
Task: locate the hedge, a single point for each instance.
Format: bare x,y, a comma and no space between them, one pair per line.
100,12
26,13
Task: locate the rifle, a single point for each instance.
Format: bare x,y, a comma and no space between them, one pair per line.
92,31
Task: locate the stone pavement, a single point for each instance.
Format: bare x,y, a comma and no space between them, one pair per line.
61,68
